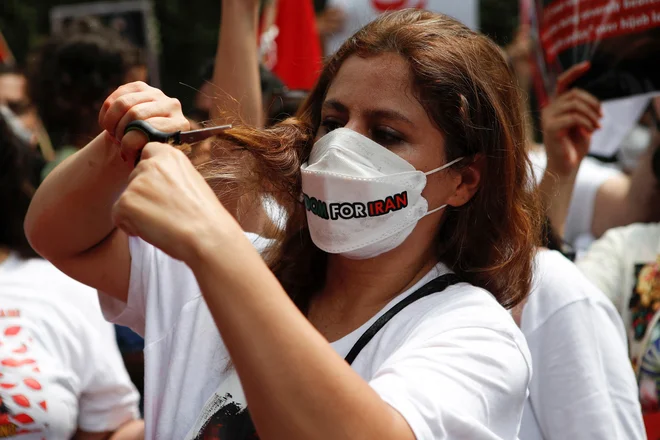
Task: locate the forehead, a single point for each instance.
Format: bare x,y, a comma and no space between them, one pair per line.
379,81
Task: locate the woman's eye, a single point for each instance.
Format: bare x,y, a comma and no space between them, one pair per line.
330,124
386,136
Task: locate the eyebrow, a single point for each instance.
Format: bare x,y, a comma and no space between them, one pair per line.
388,114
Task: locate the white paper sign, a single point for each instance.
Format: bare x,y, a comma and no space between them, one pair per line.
619,117
360,12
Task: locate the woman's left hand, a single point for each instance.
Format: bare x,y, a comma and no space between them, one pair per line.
169,204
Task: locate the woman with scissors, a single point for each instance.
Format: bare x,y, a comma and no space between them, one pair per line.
379,310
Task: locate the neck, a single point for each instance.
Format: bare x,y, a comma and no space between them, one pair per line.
372,283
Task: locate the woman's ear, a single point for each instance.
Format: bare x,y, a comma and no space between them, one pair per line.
469,178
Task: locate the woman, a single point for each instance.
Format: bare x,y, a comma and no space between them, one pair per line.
414,98
61,374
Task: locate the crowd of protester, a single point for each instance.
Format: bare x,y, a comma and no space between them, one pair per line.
469,282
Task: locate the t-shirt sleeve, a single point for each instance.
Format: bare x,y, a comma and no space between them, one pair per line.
108,398
584,386
603,265
159,288
132,313
465,383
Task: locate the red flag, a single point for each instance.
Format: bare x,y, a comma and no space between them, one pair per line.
6,56
299,58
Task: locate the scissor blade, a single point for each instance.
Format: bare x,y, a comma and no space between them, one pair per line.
194,136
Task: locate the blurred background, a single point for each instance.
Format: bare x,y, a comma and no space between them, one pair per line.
184,33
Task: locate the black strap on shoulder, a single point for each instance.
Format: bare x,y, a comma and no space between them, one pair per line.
434,286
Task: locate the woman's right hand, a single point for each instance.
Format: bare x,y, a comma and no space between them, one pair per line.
568,123
139,101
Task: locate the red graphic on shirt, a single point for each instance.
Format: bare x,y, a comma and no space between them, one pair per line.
11,362
12,331
23,418
21,350
32,383
21,391
395,5
21,400
12,425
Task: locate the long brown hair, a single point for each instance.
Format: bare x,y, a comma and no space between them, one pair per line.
465,85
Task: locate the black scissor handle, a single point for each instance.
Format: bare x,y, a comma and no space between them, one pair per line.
152,135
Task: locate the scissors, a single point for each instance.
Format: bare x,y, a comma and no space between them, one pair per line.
176,138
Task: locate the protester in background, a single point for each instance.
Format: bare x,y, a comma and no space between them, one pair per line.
61,373
624,264
583,386
13,94
70,75
567,123
329,20
583,196
417,379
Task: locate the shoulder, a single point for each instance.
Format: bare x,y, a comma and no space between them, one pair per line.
40,280
465,311
151,266
636,233
462,305
431,355
618,243
140,249
558,284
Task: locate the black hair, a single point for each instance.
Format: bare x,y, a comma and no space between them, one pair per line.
73,72
20,166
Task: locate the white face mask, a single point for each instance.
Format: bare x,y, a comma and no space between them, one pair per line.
362,200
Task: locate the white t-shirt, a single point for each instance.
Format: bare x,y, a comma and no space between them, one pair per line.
361,12
583,386
591,175
624,264
60,368
454,364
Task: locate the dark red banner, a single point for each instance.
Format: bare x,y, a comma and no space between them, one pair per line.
621,39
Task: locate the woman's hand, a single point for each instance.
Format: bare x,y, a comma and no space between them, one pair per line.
138,101
568,123
169,204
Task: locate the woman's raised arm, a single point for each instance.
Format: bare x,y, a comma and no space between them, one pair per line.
69,221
